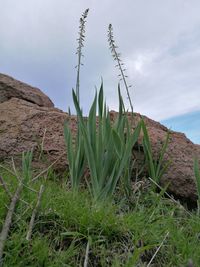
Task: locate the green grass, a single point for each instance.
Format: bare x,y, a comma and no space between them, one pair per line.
124,232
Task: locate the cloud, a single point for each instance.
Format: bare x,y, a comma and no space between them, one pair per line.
159,41
167,84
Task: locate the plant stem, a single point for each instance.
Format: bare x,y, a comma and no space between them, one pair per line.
8,221
79,49
86,254
116,57
149,264
5,187
29,233
124,80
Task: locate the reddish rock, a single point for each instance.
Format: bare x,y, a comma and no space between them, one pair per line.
26,125
10,88
181,152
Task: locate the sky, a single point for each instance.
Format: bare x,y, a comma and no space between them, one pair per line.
159,42
188,124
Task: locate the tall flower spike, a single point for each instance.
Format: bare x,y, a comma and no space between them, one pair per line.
120,65
80,40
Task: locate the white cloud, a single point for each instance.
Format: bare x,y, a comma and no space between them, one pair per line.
159,41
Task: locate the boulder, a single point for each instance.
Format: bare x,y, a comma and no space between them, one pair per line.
180,152
10,88
25,126
28,120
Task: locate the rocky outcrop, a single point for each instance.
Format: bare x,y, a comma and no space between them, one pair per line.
25,126
11,88
180,152
28,120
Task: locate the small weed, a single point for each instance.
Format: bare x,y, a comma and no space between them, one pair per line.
197,176
156,167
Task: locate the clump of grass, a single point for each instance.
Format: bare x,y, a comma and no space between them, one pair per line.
26,172
117,237
156,167
107,148
23,182
75,156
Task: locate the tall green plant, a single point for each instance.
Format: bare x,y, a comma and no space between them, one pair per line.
107,149
156,167
75,155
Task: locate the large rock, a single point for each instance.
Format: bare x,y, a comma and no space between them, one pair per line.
10,88
26,125
181,152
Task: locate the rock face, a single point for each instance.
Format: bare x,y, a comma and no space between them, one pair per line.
180,152
10,88
25,126
28,120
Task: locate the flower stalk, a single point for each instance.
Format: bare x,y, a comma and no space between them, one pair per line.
80,40
116,56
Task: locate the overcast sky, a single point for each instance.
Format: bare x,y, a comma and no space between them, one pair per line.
159,42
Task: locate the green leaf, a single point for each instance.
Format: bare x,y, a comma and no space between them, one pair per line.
68,142
26,166
155,167
197,175
100,102
117,143
160,160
